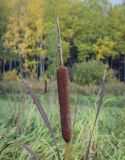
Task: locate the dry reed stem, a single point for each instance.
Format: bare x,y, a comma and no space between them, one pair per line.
59,43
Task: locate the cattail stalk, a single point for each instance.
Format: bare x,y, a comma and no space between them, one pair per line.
67,151
64,101
59,43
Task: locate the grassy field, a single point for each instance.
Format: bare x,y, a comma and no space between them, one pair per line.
21,122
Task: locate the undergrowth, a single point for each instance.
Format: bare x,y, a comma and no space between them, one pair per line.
20,121
114,88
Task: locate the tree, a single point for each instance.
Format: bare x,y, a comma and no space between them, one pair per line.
5,10
25,31
104,48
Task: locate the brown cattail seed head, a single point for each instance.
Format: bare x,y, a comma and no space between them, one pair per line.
65,113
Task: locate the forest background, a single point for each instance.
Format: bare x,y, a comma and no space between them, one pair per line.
93,34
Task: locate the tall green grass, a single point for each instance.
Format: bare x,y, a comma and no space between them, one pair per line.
109,136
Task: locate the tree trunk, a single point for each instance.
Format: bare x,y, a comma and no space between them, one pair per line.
0,68
41,66
4,64
111,64
46,86
124,68
14,64
10,65
21,65
38,61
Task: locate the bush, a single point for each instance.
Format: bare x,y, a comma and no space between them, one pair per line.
51,72
12,86
116,88
112,88
86,90
90,72
10,75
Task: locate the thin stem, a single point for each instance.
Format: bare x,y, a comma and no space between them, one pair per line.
59,43
67,151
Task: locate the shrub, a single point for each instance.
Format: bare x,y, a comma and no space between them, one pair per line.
51,72
91,72
116,88
12,86
10,75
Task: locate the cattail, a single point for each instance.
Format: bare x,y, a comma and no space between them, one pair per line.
63,91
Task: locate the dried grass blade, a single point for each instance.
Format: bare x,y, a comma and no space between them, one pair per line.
27,148
41,111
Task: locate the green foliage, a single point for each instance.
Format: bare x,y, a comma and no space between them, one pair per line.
92,27
115,87
51,43
104,49
51,72
101,36
30,130
90,72
4,12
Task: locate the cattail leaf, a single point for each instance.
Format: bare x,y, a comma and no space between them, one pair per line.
41,111
99,104
5,147
27,148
